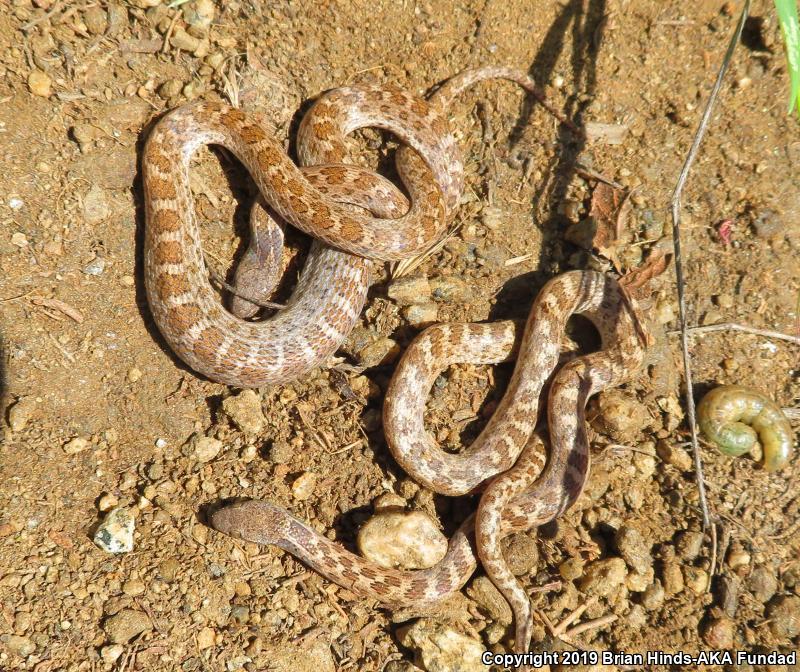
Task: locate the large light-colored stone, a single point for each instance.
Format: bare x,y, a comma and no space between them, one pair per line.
402,540
439,648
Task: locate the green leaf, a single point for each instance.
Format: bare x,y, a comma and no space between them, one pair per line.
790,26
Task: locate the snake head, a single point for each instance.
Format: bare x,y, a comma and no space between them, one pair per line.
252,520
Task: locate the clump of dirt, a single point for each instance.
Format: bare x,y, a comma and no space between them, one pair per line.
100,414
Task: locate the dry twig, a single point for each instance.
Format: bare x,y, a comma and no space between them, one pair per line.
734,326
676,237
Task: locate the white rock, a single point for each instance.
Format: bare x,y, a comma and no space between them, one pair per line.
442,649
304,485
112,652
76,445
95,267
205,448
115,534
402,540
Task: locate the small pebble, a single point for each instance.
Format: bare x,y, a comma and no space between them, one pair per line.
280,452
451,290
637,616
724,300
791,575
672,577
22,621
421,314
620,415
134,375
571,569
738,557
439,648
633,548
494,632
689,544
95,267
133,587
115,533
638,583
718,633
206,638
244,410
170,89
674,455
111,653
85,135
388,502
522,554
107,502
39,83
240,614
205,448
21,412
727,592
182,40
199,14
763,583
492,218
696,579
304,486
95,206
490,600
784,615
401,666
248,453
19,239
255,647
653,596
76,445
18,645
602,577
402,540
491,256
378,353
125,625
406,291
169,569
673,412
96,20
646,464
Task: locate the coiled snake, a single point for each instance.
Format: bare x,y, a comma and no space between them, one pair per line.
507,458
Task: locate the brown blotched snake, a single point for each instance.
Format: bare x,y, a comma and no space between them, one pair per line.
506,458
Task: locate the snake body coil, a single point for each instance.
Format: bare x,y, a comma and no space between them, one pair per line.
356,215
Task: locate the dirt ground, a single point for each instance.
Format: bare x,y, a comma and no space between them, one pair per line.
80,84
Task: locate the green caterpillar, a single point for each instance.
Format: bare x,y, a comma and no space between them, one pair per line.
735,418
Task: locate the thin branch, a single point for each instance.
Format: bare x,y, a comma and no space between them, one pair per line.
734,326
53,10
713,568
676,236
591,625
